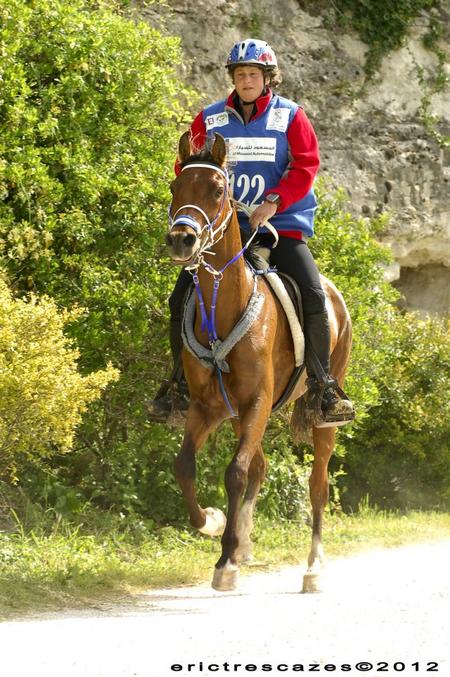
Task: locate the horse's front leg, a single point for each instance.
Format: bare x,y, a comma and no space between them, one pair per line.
256,474
323,439
237,477
198,426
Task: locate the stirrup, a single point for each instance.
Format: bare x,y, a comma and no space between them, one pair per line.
340,413
158,409
170,404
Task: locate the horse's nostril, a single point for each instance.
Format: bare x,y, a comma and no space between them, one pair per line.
189,240
169,240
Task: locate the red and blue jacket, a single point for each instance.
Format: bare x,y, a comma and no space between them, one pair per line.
275,152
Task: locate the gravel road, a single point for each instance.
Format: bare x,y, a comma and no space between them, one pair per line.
386,606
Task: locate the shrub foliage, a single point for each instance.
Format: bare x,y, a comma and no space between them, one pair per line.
401,455
42,394
89,108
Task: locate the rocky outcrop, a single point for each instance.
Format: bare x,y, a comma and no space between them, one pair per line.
373,139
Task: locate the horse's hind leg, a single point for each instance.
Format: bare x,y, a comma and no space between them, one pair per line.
324,439
210,521
323,442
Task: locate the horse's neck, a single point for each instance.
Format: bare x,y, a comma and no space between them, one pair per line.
236,285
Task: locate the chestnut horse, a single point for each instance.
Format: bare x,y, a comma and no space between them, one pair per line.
204,236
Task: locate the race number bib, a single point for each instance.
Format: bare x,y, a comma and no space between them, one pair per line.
245,187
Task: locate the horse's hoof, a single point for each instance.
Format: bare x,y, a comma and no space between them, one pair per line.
312,582
215,522
226,578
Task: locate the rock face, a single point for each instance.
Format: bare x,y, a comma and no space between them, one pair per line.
373,139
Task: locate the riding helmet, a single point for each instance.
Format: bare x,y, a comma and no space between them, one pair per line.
252,53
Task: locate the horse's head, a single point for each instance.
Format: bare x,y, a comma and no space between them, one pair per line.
199,200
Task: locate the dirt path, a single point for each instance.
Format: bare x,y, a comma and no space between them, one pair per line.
388,605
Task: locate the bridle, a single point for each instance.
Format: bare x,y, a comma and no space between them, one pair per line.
213,234
180,219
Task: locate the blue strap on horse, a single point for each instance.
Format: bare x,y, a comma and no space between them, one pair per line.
209,323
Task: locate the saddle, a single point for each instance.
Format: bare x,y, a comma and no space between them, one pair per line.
294,294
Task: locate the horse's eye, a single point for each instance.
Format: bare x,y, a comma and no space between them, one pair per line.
171,187
219,192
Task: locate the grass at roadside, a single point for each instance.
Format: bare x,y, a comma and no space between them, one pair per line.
69,567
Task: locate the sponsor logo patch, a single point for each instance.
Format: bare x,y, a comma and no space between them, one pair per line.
217,120
278,119
243,149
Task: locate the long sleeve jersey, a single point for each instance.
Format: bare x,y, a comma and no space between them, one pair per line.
275,152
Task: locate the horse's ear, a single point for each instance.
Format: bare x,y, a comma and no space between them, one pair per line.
184,147
219,150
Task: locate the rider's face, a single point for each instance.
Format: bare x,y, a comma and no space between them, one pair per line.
249,82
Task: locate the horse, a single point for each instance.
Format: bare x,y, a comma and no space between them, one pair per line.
204,237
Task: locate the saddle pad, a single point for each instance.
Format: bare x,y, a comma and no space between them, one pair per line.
282,295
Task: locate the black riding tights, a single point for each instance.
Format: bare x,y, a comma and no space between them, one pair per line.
294,258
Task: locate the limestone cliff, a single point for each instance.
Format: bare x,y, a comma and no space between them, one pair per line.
374,140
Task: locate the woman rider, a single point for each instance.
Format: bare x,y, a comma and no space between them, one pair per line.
274,155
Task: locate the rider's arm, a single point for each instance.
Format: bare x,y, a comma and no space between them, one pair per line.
304,164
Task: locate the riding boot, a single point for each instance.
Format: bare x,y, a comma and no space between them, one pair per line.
173,392
325,399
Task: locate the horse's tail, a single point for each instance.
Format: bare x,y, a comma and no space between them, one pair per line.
301,423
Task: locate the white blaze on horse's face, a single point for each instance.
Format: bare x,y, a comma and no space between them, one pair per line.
197,203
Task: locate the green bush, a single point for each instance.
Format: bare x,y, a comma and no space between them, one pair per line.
42,394
90,107
400,457
397,451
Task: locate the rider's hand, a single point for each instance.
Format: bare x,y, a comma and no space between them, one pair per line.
263,212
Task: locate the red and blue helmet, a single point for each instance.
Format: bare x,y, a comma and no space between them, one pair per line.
252,53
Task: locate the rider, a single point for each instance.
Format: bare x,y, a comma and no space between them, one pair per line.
273,152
